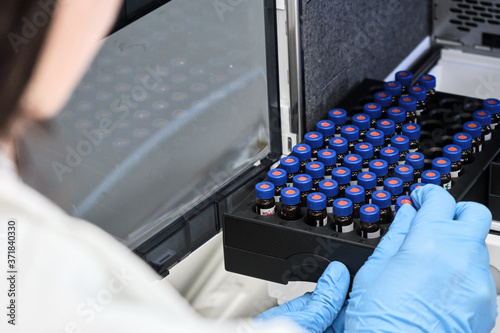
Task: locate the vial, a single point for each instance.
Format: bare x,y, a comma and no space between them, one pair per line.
420,95
342,209
428,82
388,127
394,186
493,105
315,141
374,110
357,195
454,154
395,89
382,199
402,143
353,162
363,122
380,168
264,201
370,221
317,172
405,173
329,159
409,104
330,188
377,140
443,166
483,117
316,210
415,186
351,133
405,78
384,99
303,153
391,156
343,178
417,161
291,165
340,146
279,179
365,150
290,204
304,183
431,177
398,115
412,131
474,129
464,140
339,118
402,200
327,129
368,181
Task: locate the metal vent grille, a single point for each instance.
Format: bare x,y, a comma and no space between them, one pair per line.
470,14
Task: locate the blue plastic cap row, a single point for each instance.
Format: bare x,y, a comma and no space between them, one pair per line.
441,164
327,156
314,139
464,140
492,105
375,137
354,162
397,114
290,196
329,187
384,98
356,193
350,132
326,127
404,172
409,103
374,110
473,128
338,116
452,152
401,142
367,180
382,199
277,177
364,149
394,88
431,177
369,213
315,169
390,154
303,182
483,117
340,145
264,190
362,120
379,167
428,81
387,126
342,207
416,160
412,131
393,185
404,77
342,175
419,92
316,201
290,164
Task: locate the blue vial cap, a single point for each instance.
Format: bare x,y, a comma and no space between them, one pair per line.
379,167
415,186
483,117
390,154
342,175
350,132
401,142
375,137
277,177
367,180
404,172
362,120
428,81
315,169
473,128
402,200
431,177
264,190
340,145
329,187
384,98
441,164
314,139
387,126
463,140
302,152
404,77
452,152
316,201
303,182
409,103
342,207
393,185
356,193
394,88
338,116
419,92
326,127
374,110
327,156
416,160
290,196
364,149
354,162
397,114
382,199
290,164
492,105
369,213
412,131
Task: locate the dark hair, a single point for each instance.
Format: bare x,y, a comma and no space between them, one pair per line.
23,28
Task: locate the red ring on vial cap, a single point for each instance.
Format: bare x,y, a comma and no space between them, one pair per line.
375,133
352,158
277,173
427,77
326,153
313,136
385,123
341,171
381,195
395,110
492,102
406,99
392,84
349,129
366,176
342,203
327,184
338,141
404,169
369,209
389,151
441,162
325,124
316,197
431,174
289,160
382,95
364,146
400,139
301,148
453,148
337,113
361,117
406,201
416,89
290,192
378,164
411,127
314,166
393,182
472,125
302,179
354,189
462,137
264,186
414,156
481,113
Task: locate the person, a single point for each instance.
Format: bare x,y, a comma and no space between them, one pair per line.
429,273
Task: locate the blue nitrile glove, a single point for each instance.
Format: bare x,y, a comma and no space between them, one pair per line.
430,273
317,311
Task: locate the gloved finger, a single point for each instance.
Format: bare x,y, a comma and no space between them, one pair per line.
476,217
294,305
339,322
433,203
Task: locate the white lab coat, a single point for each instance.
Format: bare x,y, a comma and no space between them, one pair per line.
73,277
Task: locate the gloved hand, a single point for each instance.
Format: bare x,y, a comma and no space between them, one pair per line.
317,311
430,273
